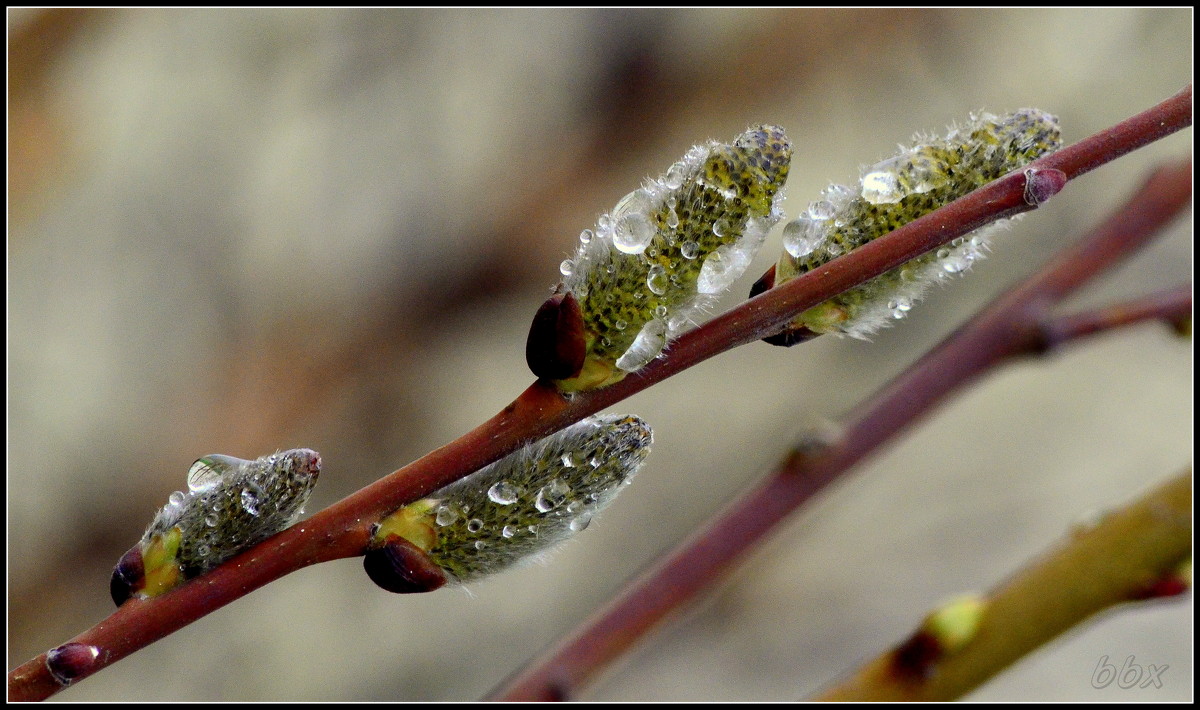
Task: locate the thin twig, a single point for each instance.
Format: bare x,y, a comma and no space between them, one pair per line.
1126,556
1170,305
342,530
1009,328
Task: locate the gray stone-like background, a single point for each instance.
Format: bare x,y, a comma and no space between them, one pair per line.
241,231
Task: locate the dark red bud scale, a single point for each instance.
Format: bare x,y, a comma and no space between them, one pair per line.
128,576
71,661
402,567
916,657
792,335
557,346
1041,185
765,283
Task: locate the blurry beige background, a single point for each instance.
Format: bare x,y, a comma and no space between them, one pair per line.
238,231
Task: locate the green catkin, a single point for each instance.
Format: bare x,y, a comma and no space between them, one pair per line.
656,263
525,503
232,504
897,191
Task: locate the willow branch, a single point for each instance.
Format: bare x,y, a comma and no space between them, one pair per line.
1011,327
1173,306
1131,554
343,529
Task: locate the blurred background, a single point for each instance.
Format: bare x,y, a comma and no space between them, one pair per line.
242,231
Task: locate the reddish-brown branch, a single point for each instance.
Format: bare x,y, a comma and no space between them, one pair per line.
342,529
1170,305
1009,328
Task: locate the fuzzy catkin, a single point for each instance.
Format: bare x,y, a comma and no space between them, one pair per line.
232,505
652,266
897,191
527,502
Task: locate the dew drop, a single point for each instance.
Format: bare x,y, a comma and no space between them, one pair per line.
721,268
645,347
802,236
656,280
566,268
660,311
551,495
480,544
675,176
474,525
620,324
672,218
504,493
881,185
250,501
838,195
689,250
956,264
508,531
445,515
176,499
211,520
585,236
633,233
943,253
580,523
821,210
721,227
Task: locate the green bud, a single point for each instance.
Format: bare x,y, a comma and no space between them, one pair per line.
231,505
894,192
653,266
524,504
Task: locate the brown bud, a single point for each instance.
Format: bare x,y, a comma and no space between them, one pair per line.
1041,185
557,345
128,576
915,658
792,335
765,283
71,661
402,567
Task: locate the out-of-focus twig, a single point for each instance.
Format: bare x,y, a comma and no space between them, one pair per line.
1126,556
1010,327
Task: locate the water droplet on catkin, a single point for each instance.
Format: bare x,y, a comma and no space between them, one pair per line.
504,493
551,495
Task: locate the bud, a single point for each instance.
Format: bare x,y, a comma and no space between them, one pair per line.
896,191
70,661
231,505
524,504
657,262
944,632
